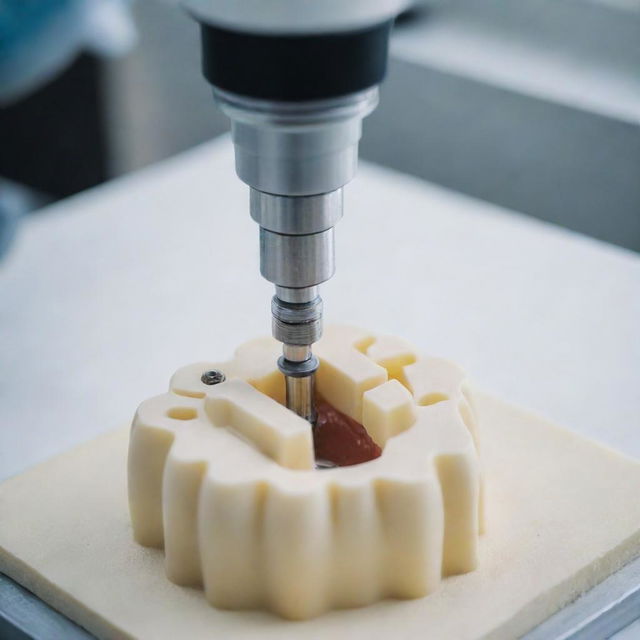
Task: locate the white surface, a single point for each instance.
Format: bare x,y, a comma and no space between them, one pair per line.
107,293
572,53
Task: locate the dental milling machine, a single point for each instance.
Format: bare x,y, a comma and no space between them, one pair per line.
296,78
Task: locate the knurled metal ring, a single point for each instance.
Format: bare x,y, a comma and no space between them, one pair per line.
296,334
296,313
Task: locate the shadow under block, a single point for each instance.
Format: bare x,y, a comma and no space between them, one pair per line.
562,513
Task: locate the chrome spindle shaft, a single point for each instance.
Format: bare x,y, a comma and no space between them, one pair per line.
300,396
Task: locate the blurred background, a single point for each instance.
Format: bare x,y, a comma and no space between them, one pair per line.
522,110
533,105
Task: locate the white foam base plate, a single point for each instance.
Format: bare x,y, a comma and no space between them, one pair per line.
562,514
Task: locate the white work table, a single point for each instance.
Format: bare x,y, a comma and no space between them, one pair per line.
105,294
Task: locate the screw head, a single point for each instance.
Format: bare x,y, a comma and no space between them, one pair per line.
213,377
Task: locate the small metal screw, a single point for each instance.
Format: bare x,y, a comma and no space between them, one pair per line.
213,377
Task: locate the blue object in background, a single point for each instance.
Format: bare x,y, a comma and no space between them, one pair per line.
38,40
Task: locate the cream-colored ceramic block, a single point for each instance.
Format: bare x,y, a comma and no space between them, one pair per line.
223,478
387,410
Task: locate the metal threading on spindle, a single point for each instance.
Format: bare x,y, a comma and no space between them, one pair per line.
213,376
298,325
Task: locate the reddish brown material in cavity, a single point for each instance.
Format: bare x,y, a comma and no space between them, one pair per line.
340,439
